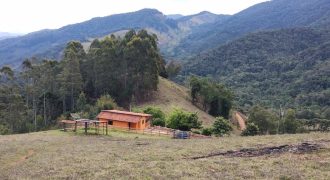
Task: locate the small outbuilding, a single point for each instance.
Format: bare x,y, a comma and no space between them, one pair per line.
125,119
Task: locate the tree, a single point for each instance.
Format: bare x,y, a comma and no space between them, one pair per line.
265,120
251,130
81,102
173,68
70,78
290,123
221,126
185,121
215,98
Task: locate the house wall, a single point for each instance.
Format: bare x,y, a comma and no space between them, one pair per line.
120,124
140,125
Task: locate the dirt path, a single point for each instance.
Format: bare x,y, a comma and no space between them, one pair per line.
241,120
23,158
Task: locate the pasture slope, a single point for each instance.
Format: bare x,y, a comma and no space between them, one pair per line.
64,155
171,95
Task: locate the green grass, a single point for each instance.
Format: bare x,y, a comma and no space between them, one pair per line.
66,155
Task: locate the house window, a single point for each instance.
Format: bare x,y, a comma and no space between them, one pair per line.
110,122
142,121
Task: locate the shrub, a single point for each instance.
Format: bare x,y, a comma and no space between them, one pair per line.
106,102
325,125
251,130
207,131
4,130
221,127
182,120
158,116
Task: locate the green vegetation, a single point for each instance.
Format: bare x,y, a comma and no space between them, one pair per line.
114,70
207,131
291,124
265,120
251,130
185,121
213,97
158,116
284,67
221,127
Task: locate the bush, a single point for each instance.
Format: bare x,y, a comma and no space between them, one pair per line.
207,131
182,120
158,116
221,127
251,130
4,130
325,125
106,102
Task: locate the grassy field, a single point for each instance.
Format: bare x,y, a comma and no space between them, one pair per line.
171,95
64,155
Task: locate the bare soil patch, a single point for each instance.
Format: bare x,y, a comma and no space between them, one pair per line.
255,152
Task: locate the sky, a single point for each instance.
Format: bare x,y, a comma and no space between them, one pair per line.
24,16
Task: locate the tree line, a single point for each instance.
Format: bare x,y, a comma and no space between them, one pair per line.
118,69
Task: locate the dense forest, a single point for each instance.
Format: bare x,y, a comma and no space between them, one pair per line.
287,67
114,71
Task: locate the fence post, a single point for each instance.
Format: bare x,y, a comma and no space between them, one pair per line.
106,129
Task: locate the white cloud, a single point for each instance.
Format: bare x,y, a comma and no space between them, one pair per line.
32,15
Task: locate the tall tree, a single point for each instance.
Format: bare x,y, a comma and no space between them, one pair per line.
70,77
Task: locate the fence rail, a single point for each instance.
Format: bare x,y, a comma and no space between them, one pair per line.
104,128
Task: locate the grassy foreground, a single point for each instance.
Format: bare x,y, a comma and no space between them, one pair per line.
61,155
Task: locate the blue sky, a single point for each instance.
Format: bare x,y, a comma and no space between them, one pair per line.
23,16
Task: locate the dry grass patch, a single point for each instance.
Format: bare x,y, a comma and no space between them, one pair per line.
60,155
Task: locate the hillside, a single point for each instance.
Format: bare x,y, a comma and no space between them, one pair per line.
276,14
288,67
60,155
171,95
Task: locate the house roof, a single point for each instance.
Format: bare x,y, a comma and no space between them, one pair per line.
124,116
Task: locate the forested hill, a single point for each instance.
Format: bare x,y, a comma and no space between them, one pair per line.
50,43
275,14
289,67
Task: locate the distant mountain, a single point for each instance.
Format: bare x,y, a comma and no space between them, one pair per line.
289,67
275,14
174,16
6,35
50,43
179,37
